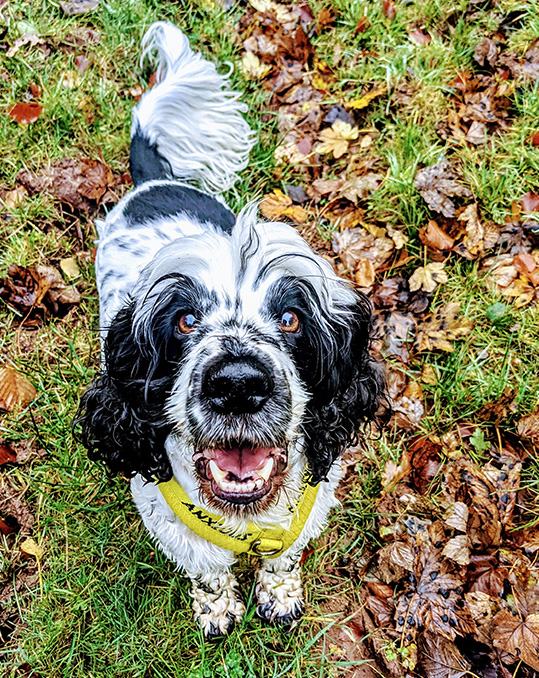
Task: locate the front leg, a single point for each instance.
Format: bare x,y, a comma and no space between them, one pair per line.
279,590
217,604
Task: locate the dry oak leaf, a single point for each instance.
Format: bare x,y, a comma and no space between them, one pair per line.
15,389
277,205
437,184
528,427
443,327
364,274
360,187
428,277
478,236
354,244
25,113
519,637
336,139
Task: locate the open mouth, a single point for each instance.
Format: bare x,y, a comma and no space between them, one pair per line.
240,473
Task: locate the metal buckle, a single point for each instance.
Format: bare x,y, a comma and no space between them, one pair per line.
257,549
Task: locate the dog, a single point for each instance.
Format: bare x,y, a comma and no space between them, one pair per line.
235,362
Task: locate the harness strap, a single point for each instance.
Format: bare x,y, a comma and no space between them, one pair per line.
266,542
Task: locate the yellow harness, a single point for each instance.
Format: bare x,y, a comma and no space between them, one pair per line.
268,542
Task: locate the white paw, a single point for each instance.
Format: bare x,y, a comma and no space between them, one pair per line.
280,596
217,605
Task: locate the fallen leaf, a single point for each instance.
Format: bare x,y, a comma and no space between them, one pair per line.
389,9
364,274
443,327
456,516
528,427
15,389
434,237
70,267
428,375
25,113
419,37
530,202
73,7
82,183
364,24
458,549
277,205
486,51
336,139
81,63
519,637
30,547
15,511
7,454
14,198
437,184
428,277
365,100
26,39
440,658
360,187
252,67
477,133
393,473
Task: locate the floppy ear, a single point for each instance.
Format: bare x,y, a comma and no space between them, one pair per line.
350,388
121,415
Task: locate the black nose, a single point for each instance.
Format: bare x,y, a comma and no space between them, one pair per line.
238,387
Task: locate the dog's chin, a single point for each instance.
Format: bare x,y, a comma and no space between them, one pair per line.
240,478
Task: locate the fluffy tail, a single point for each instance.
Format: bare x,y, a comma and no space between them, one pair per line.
189,125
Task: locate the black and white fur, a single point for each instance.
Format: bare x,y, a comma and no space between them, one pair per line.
172,247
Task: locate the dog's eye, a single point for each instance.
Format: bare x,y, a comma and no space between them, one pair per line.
187,323
289,321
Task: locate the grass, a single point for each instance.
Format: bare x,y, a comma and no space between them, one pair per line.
109,604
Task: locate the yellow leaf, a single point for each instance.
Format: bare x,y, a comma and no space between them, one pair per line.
364,273
276,205
252,67
428,277
70,267
15,197
30,547
366,99
336,139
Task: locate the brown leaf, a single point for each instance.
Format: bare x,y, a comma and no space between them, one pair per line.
419,37
14,510
534,139
364,24
277,205
530,202
15,389
437,184
72,7
431,601
354,244
424,461
325,18
443,327
7,454
433,236
456,516
390,9
81,183
25,39
477,133
25,113
458,549
486,575
364,274
519,637
486,51
528,427
440,658
393,473
428,277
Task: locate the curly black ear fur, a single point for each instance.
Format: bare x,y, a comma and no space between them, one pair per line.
349,386
121,414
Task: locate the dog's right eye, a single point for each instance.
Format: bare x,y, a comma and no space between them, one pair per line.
187,323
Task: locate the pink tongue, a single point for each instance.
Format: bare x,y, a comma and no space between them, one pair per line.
242,462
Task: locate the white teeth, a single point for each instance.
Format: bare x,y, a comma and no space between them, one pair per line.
259,483
216,472
266,470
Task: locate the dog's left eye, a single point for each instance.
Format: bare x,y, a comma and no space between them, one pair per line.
289,321
187,323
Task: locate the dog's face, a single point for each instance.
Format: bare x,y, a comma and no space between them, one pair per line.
249,350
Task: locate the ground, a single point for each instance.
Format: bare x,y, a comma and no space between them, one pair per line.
402,139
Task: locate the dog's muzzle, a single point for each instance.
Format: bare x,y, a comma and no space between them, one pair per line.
241,386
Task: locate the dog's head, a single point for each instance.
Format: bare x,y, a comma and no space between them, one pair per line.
248,351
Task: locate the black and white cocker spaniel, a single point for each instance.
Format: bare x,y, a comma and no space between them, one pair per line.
236,363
